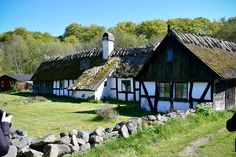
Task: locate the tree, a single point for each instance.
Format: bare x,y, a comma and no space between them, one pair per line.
152,28
128,27
227,31
15,52
71,39
124,39
73,29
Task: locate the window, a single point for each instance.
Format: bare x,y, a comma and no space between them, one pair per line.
125,85
169,55
61,85
164,90
181,90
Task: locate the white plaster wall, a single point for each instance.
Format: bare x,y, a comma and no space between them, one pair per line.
112,84
122,96
144,104
66,86
137,84
87,94
102,91
181,105
150,86
70,83
198,89
163,106
54,84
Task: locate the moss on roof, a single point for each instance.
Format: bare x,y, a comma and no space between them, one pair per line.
92,78
220,61
217,54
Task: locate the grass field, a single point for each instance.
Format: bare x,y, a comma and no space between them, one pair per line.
53,115
170,139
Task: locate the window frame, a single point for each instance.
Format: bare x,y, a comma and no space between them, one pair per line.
61,84
169,55
165,97
124,86
182,91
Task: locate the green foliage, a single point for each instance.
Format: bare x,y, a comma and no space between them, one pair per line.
152,28
22,51
206,110
227,31
83,33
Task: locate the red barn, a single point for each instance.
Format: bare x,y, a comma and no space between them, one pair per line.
21,81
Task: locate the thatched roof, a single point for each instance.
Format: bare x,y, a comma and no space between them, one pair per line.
130,60
67,67
92,78
217,54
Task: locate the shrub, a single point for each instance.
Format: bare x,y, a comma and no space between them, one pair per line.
107,112
206,110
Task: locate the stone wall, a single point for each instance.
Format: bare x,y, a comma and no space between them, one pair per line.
77,141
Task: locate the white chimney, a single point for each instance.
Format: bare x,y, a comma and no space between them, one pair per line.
107,44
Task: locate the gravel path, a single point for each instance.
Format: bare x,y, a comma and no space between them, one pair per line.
193,147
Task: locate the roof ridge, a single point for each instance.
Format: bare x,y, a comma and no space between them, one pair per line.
80,54
204,40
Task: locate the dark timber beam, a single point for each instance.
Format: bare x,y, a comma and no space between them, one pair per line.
148,98
205,92
190,95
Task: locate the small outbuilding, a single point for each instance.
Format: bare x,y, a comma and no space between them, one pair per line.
21,82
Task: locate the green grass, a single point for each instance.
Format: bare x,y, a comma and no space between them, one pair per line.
54,115
222,144
165,140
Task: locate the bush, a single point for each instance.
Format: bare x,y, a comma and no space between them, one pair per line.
107,112
206,110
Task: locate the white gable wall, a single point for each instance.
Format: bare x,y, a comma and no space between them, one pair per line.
112,88
102,91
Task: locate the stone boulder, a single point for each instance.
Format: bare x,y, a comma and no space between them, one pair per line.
45,140
74,140
21,142
124,131
63,134
85,147
84,135
95,139
99,131
55,150
151,118
12,152
81,141
65,140
73,132
32,153
132,126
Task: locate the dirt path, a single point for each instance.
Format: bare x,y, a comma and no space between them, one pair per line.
193,147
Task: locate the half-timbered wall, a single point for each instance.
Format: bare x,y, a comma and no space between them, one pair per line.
150,100
118,92
60,88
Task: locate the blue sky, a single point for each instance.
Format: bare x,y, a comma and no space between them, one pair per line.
54,15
